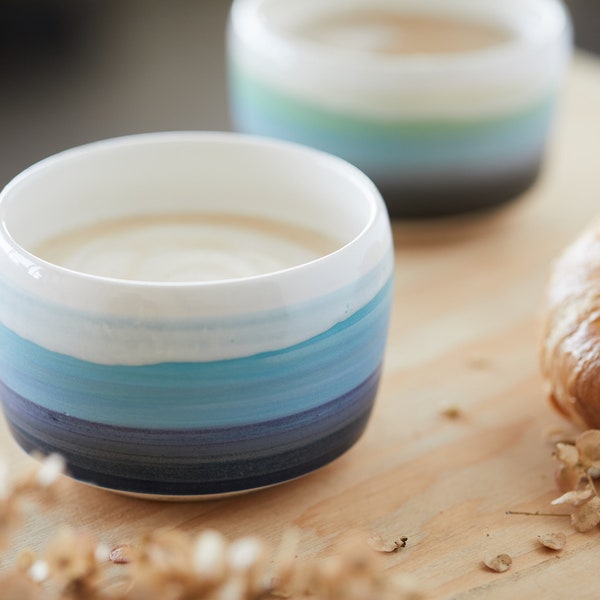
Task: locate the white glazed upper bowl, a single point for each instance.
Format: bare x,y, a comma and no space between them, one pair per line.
437,132
202,387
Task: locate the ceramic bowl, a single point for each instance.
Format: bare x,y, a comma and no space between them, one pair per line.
438,132
193,388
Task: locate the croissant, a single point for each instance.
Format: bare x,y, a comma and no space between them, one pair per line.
570,350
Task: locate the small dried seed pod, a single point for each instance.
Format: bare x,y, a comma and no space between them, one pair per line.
567,454
121,555
588,446
498,562
587,517
450,410
553,541
574,497
380,544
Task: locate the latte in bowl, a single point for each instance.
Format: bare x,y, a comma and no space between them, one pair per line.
192,314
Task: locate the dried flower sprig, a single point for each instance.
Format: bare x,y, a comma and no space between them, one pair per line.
22,582
578,467
170,564
36,483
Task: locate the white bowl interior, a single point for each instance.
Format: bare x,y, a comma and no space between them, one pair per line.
185,173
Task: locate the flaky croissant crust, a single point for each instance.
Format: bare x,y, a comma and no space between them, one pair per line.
570,349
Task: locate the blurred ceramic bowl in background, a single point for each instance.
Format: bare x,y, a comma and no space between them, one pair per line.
446,104
191,314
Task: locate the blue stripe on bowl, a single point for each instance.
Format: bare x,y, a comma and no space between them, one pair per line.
410,148
188,395
182,462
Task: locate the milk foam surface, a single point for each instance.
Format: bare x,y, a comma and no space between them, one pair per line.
184,248
396,33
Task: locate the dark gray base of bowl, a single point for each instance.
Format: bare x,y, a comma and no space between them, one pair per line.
440,198
184,463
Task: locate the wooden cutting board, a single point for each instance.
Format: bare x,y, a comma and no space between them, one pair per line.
463,335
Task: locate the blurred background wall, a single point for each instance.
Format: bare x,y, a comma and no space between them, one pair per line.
74,71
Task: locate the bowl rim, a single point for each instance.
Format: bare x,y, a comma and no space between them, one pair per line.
35,265
248,25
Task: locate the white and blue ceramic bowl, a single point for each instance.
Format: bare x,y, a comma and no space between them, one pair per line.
437,132
197,388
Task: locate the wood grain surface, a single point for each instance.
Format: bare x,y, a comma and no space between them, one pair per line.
463,334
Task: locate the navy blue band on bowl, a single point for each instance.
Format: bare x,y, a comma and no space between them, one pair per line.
193,462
